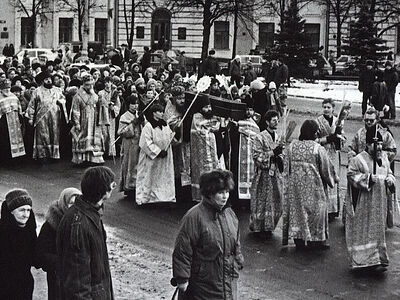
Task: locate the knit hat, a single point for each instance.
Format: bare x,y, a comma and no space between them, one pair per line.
5,84
150,82
17,198
272,85
139,81
257,85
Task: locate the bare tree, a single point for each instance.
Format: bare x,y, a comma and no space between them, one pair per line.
280,6
341,10
79,7
248,12
212,10
129,17
32,10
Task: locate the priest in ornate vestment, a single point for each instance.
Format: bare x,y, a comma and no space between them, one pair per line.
370,184
12,144
87,119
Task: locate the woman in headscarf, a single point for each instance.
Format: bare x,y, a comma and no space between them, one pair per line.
17,250
46,251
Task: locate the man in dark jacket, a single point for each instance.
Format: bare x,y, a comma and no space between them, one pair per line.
392,79
146,59
81,240
281,74
379,94
210,65
365,82
234,71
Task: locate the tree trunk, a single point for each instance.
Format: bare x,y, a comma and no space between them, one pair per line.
206,40
235,30
80,20
130,40
338,38
33,24
206,29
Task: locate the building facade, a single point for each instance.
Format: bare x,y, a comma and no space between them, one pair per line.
158,26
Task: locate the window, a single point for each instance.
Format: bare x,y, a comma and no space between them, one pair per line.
100,31
65,30
221,35
140,32
266,33
26,31
181,33
312,31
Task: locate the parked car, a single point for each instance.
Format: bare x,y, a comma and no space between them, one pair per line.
40,54
155,60
256,60
326,70
346,65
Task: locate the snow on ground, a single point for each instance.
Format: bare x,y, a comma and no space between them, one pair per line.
335,89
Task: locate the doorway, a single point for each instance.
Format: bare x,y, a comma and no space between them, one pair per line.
161,29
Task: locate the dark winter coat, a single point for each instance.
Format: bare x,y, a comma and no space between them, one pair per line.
17,256
211,67
207,253
391,78
82,254
46,253
281,75
379,96
146,59
249,76
262,101
366,80
234,70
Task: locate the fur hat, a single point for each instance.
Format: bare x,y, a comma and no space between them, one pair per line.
257,85
17,198
139,81
5,84
272,85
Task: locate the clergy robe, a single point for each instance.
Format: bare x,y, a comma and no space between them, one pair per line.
129,130
248,130
180,148
358,142
306,205
333,154
389,146
203,150
45,111
267,186
108,130
155,175
366,211
87,142
11,140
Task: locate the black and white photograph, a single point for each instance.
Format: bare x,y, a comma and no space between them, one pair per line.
199,149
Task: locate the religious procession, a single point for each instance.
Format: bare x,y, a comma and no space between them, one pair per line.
211,140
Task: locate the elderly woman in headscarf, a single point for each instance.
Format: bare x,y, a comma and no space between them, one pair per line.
46,251
17,250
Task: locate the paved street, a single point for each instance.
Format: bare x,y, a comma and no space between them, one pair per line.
143,237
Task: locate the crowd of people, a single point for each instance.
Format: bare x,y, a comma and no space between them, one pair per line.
173,146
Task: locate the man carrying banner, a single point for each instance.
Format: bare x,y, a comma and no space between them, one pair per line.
267,185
